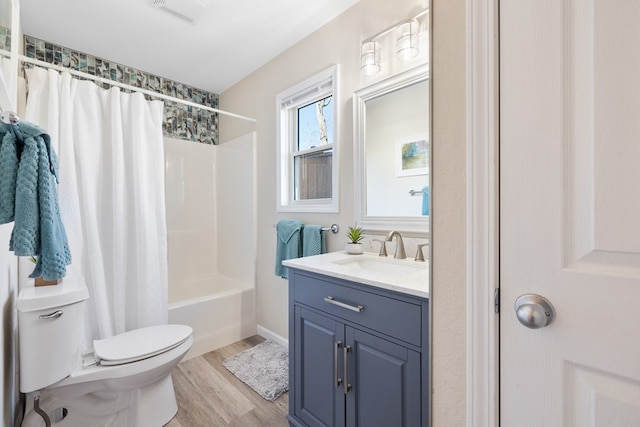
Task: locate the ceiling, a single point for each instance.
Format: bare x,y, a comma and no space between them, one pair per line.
228,41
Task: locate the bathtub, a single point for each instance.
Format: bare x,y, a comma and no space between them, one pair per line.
220,310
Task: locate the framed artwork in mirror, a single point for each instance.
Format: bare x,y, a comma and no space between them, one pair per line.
412,155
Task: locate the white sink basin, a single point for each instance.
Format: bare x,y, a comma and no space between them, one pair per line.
402,275
382,265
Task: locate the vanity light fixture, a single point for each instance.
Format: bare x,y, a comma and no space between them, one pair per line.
370,57
407,35
407,39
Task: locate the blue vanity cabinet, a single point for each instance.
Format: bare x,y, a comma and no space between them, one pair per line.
358,354
315,393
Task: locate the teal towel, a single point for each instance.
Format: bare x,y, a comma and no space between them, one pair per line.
313,240
38,229
8,173
425,201
289,244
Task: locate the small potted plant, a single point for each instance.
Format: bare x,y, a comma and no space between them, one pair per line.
354,246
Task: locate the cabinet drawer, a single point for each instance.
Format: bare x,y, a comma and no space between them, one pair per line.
396,318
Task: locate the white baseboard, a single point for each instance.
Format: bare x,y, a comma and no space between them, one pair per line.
270,335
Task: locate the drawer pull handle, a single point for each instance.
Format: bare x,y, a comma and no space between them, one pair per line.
347,386
53,315
335,364
356,308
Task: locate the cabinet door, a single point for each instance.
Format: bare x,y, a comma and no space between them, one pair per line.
319,399
385,382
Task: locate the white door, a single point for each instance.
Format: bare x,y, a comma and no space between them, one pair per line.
570,211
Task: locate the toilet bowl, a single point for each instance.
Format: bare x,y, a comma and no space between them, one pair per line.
124,382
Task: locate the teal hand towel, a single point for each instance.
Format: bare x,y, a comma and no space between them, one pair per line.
289,244
425,201
38,229
8,173
313,240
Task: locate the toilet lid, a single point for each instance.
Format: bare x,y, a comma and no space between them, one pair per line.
140,343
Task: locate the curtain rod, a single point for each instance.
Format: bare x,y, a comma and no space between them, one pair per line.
124,86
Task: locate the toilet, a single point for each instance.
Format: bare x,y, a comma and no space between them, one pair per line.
124,382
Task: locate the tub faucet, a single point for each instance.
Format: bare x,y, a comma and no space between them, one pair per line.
400,254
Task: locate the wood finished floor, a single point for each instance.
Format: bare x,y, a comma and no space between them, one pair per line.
210,396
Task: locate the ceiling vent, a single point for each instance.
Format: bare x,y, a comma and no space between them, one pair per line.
187,10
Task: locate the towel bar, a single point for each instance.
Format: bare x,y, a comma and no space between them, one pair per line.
334,228
414,192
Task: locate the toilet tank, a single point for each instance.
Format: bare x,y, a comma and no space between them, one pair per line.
50,322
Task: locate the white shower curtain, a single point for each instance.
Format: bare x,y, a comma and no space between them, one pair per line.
111,190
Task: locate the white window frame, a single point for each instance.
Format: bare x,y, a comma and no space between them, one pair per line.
316,87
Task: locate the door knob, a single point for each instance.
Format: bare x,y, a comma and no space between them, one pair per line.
534,311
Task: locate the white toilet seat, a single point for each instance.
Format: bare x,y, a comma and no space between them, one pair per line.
87,372
139,344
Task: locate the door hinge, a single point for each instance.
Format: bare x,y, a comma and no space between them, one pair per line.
496,300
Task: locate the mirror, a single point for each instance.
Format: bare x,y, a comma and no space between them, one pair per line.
5,24
8,61
392,156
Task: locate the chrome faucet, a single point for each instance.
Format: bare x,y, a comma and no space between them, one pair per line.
400,254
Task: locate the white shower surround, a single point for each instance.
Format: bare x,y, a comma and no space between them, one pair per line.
211,222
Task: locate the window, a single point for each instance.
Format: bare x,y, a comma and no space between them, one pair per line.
307,149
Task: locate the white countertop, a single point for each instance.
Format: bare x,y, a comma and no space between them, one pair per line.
344,266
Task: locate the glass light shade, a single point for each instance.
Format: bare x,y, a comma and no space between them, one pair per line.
370,57
407,40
